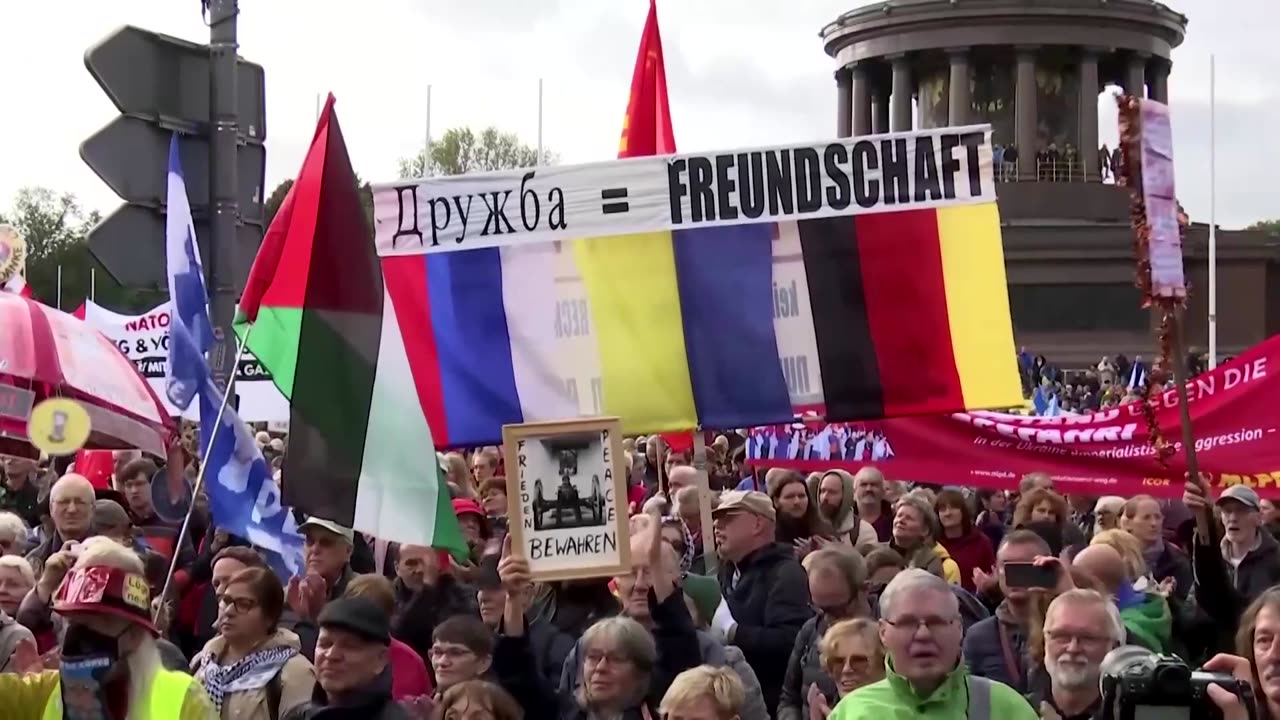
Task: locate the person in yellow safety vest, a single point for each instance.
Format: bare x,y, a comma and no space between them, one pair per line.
110,665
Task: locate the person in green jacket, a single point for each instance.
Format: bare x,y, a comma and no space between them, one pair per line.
1146,615
924,678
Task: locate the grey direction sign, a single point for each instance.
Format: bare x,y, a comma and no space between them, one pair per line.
130,244
166,80
131,156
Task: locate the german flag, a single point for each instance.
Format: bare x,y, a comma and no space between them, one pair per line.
910,312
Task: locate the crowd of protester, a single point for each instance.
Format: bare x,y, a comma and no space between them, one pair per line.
835,596
1115,380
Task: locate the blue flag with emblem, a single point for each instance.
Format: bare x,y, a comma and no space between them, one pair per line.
244,498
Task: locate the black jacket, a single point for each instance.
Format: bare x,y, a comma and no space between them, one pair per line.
1223,597
418,613
1173,563
370,703
550,647
803,670
770,602
678,650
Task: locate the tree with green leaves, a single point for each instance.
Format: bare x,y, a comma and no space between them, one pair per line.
462,151
55,226
276,199
1271,227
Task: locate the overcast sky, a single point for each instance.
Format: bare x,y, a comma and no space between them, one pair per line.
741,73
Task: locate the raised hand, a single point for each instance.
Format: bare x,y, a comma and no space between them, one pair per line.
818,707
26,658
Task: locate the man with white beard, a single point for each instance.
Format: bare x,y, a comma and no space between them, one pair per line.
1080,628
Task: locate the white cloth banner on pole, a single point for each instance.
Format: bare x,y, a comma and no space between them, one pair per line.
144,339
875,173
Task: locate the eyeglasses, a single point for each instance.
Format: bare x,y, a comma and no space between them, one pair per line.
241,604
913,625
448,652
595,657
1064,638
856,663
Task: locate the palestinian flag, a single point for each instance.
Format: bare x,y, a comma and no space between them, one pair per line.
315,314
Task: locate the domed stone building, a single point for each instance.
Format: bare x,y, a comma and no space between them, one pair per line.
1034,70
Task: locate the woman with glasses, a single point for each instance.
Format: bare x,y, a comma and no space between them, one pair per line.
461,650
852,655
253,670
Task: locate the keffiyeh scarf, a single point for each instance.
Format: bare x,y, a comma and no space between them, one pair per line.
249,673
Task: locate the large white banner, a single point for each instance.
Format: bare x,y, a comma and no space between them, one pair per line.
144,339
848,176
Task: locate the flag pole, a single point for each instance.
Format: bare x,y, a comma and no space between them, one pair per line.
704,499
426,153
93,284
59,286
241,346
1213,223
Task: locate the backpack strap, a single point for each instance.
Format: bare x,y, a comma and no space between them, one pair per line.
979,697
274,691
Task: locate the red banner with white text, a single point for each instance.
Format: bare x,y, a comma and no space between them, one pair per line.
1235,413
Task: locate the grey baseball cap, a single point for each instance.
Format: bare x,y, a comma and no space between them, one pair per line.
1242,494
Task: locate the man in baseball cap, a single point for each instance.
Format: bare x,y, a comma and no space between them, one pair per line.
766,590
327,551
1251,554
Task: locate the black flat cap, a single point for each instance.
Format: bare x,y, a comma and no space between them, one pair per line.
359,616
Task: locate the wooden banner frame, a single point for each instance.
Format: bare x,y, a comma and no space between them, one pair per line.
608,431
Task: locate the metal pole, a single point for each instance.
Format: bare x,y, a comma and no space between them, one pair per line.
93,284
426,153
318,107
224,126
539,121
195,490
59,286
1213,222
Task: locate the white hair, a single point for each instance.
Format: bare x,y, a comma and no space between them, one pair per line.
19,563
100,551
1083,597
13,526
144,664
914,580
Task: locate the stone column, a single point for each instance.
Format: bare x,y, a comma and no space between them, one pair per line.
1025,114
1160,80
960,95
879,107
900,119
1135,77
1089,112
844,102
861,98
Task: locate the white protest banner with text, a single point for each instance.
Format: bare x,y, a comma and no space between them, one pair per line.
848,176
144,339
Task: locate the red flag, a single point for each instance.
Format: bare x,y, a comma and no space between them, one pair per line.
646,128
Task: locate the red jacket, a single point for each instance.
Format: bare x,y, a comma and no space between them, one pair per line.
971,551
409,676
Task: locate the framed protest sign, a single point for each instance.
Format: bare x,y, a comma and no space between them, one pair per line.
566,496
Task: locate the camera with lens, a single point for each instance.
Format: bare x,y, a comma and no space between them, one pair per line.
1138,684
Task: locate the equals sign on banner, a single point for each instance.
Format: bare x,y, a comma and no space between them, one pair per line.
611,208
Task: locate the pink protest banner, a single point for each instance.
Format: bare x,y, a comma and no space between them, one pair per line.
1235,413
